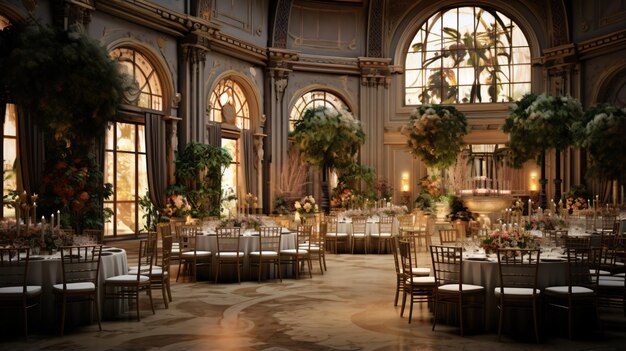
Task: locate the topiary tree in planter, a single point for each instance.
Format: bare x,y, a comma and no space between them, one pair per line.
328,140
65,83
199,170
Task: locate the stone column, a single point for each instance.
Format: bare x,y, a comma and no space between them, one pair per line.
374,100
277,120
194,98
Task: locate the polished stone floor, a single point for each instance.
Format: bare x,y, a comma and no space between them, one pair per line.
348,308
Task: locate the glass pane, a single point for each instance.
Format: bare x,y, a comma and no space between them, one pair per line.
108,167
10,120
141,138
10,174
125,218
125,137
142,177
125,177
110,135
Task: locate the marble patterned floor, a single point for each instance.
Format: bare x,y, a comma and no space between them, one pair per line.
348,308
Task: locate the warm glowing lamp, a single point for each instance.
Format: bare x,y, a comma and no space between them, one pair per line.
405,182
533,182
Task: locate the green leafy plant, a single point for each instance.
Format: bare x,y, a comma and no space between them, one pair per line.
281,206
458,210
602,132
199,170
435,134
150,213
537,123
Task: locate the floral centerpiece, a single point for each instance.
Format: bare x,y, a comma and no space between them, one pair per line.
392,211
354,213
341,198
45,237
545,223
177,206
243,222
306,206
508,239
435,134
576,199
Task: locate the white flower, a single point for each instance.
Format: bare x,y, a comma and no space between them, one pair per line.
297,205
307,206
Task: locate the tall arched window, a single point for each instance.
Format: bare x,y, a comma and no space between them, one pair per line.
9,146
125,149
229,105
312,99
467,55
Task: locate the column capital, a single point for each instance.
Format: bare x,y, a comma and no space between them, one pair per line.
375,71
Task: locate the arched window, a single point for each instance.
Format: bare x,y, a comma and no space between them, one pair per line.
125,149
312,99
229,105
147,92
467,55
9,146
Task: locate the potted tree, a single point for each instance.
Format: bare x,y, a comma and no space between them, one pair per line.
328,140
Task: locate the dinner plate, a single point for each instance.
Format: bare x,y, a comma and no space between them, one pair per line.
476,258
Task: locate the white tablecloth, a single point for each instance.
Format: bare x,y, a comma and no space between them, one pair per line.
248,242
48,271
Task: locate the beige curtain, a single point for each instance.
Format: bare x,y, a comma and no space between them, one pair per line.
31,152
248,162
156,156
214,134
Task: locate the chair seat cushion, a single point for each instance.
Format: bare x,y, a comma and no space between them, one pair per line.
419,271
612,277
16,291
198,253
611,283
294,252
619,275
565,290
422,281
126,278
600,272
76,287
264,253
381,235
230,254
455,287
359,235
516,291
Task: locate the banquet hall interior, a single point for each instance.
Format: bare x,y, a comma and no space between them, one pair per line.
313,174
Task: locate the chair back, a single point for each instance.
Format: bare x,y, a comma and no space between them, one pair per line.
448,236
308,220
577,242
518,268
405,221
304,237
589,222
581,263
14,267
147,251
359,225
608,221
385,225
97,235
228,239
406,259
395,250
166,252
187,237
447,264
331,224
80,264
321,233
269,239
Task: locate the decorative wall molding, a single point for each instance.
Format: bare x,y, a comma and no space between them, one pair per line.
327,64
375,71
599,45
281,24
375,28
73,12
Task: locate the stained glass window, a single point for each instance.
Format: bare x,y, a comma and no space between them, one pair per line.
9,151
312,99
228,104
467,55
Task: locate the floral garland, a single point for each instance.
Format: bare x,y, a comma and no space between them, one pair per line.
177,206
602,133
508,239
44,236
435,134
537,123
392,211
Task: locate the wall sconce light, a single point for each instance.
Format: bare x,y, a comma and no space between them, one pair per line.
533,182
405,182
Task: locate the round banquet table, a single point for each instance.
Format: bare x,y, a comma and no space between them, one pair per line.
248,242
486,274
46,270
344,225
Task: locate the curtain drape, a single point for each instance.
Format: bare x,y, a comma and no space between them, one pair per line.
248,162
156,156
214,134
31,152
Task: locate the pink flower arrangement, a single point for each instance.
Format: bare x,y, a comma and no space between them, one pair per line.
177,206
508,239
306,206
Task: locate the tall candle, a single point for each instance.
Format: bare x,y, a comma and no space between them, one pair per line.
52,223
529,207
58,219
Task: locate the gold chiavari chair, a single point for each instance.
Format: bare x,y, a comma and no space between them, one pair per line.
448,236
359,232
228,250
269,250
385,231
419,288
334,237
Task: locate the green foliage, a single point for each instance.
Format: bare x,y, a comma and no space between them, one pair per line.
328,138
537,123
150,213
601,132
199,170
459,211
435,134
65,80
359,178
281,206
